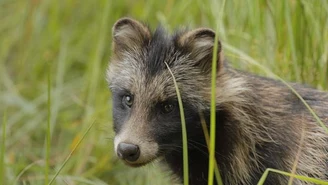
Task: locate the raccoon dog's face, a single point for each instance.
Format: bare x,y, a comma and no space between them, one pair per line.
145,109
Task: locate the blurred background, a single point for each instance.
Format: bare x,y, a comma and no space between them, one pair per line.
71,42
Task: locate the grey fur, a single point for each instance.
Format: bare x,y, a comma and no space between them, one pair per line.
264,117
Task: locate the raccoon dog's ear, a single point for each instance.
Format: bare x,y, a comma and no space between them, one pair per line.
129,36
200,44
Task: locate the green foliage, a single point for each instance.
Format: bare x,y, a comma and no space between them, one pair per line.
303,178
184,131
212,159
288,37
2,149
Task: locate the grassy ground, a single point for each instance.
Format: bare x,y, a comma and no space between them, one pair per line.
72,40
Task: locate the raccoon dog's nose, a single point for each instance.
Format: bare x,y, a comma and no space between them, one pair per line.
127,151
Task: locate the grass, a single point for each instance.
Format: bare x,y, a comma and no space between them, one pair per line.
289,38
184,131
70,154
207,138
3,149
303,178
213,112
212,161
48,130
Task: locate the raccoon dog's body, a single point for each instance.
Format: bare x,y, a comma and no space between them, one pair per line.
260,124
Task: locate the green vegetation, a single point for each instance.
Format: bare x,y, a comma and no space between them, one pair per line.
184,131
73,39
305,179
211,146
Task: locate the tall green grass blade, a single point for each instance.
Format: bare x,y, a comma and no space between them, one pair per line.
213,113
48,131
59,79
300,177
207,138
184,131
3,149
290,33
212,160
71,153
264,177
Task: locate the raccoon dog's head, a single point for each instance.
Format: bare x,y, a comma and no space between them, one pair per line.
145,109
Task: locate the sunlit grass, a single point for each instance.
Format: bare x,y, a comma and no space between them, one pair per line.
184,131
303,178
3,149
212,160
213,112
25,169
48,130
207,138
71,153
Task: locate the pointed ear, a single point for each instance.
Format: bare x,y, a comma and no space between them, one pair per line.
129,35
200,44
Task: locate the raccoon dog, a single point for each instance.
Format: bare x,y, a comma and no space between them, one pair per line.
260,123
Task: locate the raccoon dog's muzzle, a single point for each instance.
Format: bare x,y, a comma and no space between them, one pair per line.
134,148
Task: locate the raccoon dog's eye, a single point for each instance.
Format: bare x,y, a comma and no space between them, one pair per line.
167,107
127,100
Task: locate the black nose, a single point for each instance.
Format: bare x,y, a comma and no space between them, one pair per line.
129,152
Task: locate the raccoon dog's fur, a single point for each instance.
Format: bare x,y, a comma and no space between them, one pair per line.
260,123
